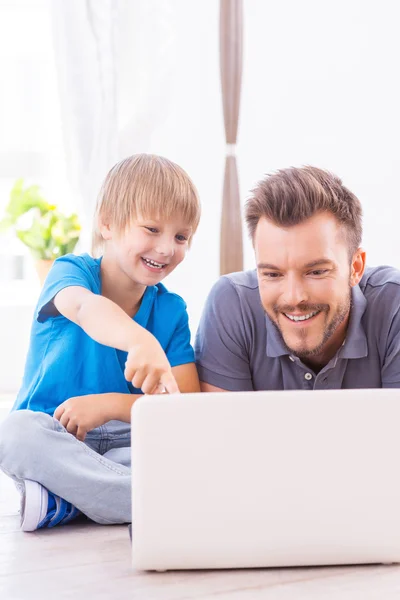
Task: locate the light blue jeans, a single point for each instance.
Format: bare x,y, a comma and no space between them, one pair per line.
94,475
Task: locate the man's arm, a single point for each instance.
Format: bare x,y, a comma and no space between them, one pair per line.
106,323
207,387
391,365
84,413
221,345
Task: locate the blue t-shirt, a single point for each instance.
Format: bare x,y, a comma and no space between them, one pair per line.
63,361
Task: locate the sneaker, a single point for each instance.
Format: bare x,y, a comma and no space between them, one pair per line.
41,508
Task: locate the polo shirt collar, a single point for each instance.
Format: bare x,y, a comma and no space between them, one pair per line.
275,344
355,344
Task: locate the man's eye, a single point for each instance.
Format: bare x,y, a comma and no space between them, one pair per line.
271,275
181,238
318,272
152,229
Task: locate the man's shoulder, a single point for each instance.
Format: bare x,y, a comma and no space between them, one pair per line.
237,292
242,284
381,319
381,281
243,279
381,289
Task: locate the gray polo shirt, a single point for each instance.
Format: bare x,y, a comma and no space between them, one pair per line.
238,347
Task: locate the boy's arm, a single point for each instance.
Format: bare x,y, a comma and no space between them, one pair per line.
84,413
104,321
186,378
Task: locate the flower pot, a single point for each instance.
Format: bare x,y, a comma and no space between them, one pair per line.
42,269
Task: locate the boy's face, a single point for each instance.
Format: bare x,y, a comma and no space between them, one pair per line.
150,248
305,277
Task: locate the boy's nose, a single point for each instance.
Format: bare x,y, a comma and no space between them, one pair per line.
165,248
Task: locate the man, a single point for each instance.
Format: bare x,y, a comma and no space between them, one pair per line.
311,316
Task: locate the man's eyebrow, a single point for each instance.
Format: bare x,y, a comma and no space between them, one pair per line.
318,262
267,266
310,265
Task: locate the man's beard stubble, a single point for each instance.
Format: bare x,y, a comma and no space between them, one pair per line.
341,314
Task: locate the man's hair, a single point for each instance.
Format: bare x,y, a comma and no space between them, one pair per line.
148,186
291,196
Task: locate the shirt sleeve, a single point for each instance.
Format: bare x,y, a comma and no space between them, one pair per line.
179,350
391,363
221,355
67,271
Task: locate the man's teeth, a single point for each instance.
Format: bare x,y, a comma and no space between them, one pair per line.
153,263
303,317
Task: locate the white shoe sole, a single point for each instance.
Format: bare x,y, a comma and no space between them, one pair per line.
36,501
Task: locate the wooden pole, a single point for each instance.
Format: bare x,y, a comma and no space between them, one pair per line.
231,53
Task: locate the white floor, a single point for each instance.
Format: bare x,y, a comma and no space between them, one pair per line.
86,560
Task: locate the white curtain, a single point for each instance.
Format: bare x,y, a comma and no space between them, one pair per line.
85,33
143,76
115,64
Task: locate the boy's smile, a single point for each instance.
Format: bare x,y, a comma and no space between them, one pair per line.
152,265
147,250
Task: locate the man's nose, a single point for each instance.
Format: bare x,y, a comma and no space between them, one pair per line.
295,292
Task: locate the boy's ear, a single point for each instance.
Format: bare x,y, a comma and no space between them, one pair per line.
105,230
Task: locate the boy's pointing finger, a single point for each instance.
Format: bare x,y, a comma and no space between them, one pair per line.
169,382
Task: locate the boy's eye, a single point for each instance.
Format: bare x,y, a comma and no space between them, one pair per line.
152,229
181,238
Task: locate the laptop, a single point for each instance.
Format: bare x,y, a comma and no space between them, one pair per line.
266,479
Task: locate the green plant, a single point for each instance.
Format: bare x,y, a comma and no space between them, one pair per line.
46,231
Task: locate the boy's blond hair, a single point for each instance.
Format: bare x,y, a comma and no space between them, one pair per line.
145,185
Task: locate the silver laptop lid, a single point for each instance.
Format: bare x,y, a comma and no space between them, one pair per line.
262,479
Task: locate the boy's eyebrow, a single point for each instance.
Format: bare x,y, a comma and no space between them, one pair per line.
186,228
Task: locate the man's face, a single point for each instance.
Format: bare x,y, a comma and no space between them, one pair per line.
305,278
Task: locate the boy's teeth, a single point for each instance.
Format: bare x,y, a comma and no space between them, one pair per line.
153,263
303,317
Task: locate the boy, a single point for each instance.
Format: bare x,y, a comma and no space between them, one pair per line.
105,331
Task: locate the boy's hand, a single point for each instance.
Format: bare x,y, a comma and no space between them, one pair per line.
83,413
147,367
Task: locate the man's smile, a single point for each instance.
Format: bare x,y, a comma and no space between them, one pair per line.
302,319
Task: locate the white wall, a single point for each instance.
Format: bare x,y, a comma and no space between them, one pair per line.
320,86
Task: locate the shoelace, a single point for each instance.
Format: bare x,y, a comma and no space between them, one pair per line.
61,513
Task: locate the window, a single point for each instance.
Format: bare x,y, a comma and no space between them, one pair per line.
31,144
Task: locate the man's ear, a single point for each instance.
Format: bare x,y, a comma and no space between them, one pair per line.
357,267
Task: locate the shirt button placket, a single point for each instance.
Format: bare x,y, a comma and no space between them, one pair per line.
308,378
